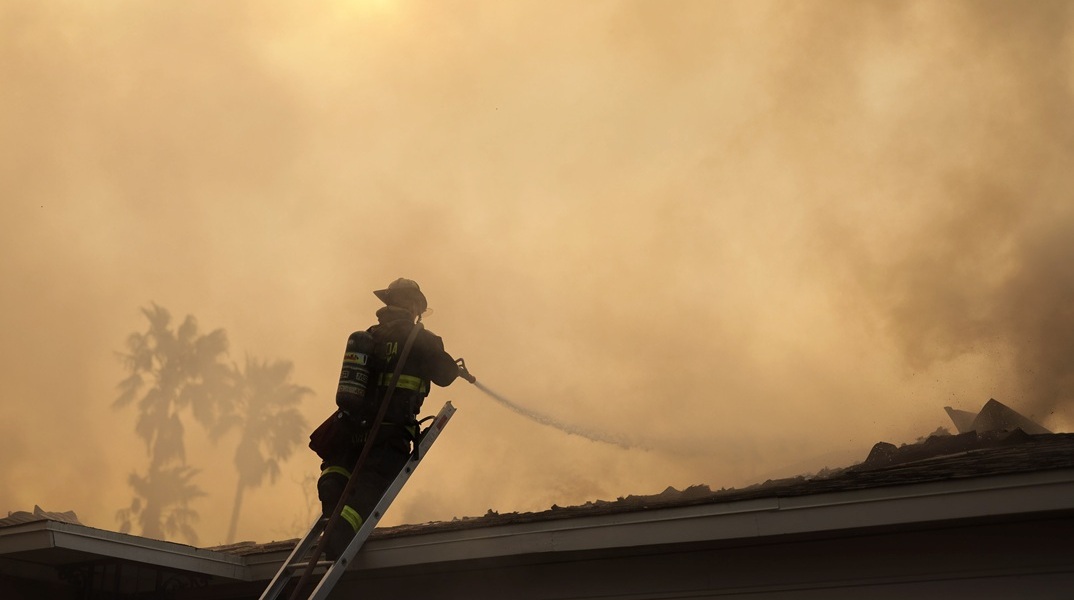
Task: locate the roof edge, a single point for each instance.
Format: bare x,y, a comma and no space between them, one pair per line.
46,534
1017,494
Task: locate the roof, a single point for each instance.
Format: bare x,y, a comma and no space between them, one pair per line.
940,479
990,480
986,474
997,442
936,459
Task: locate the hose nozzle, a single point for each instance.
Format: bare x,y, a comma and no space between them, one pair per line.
463,372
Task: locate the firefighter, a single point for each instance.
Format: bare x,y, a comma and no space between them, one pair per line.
363,384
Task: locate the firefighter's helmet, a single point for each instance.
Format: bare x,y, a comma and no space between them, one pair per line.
404,293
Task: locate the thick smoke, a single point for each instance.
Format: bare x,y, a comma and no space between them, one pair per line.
985,269
738,234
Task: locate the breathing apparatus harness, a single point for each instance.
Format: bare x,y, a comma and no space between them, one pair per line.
362,371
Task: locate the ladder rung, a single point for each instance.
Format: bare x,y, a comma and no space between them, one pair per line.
303,565
329,577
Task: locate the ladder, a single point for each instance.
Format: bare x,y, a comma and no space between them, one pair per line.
329,571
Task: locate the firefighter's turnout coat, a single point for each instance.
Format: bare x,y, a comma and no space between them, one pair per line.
340,439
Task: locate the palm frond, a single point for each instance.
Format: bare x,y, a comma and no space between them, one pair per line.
128,389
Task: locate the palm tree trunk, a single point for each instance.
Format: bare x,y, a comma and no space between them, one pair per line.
239,488
152,521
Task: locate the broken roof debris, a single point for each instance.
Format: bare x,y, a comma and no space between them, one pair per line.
993,416
21,516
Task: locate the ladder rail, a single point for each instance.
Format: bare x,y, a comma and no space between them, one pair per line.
385,402
329,579
339,567
284,575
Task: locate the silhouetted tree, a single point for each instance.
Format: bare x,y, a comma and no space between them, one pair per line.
161,503
171,371
265,410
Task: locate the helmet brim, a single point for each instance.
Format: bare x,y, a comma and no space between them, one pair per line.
397,297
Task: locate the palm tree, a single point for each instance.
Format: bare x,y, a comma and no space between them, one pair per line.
266,411
178,370
161,504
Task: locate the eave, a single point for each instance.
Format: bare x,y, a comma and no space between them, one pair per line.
747,521
55,543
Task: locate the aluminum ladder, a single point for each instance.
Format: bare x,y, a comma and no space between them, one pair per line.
329,571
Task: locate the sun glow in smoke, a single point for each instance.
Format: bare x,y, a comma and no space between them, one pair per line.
361,8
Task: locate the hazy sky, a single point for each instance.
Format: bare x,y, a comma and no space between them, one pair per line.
751,238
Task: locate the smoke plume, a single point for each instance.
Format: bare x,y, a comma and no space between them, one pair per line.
685,242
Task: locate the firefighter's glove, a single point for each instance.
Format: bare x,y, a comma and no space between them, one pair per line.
463,372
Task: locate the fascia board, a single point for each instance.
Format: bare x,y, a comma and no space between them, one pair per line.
25,537
561,535
262,567
901,505
937,501
154,552
40,535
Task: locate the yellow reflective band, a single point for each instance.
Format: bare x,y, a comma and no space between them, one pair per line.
356,358
337,471
407,382
352,517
